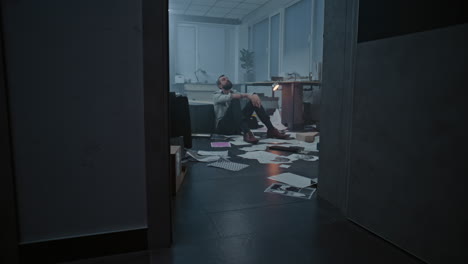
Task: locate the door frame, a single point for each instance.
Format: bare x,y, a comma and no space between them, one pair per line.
9,239
156,119
339,56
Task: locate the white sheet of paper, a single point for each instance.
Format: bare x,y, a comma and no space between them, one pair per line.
228,165
266,161
259,155
273,140
292,179
312,158
292,157
203,158
275,121
303,157
307,146
213,153
285,166
264,157
239,143
255,147
284,189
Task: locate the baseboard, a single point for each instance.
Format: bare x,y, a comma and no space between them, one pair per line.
54,251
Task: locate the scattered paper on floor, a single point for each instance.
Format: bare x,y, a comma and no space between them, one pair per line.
221,137
258,154
292,179
292,143
287,190
239,143
307,146
265,157
255,147
274,141
213,153
237,140
202,158
228,165
236,137
303,157
275,121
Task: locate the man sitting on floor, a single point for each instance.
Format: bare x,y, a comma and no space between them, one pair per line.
231,119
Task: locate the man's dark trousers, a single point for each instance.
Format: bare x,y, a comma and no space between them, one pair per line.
235,119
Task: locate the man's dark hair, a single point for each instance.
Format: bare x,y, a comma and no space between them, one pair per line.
217,81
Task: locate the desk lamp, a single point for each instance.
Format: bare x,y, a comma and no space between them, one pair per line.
275,86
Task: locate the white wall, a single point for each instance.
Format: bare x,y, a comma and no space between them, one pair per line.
74,71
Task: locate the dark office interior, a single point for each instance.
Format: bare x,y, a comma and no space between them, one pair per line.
85,123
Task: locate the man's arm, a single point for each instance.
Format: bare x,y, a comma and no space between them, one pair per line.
222,98
252,97
219,98
239,95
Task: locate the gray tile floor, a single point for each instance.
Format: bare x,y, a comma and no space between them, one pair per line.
225,217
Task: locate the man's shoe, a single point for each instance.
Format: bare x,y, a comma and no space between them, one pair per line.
274,133
250,138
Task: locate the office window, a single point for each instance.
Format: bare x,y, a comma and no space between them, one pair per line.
260,48
211,50
274,45
297,27
201,52
186,61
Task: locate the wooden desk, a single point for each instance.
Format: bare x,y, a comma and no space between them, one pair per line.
292,107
